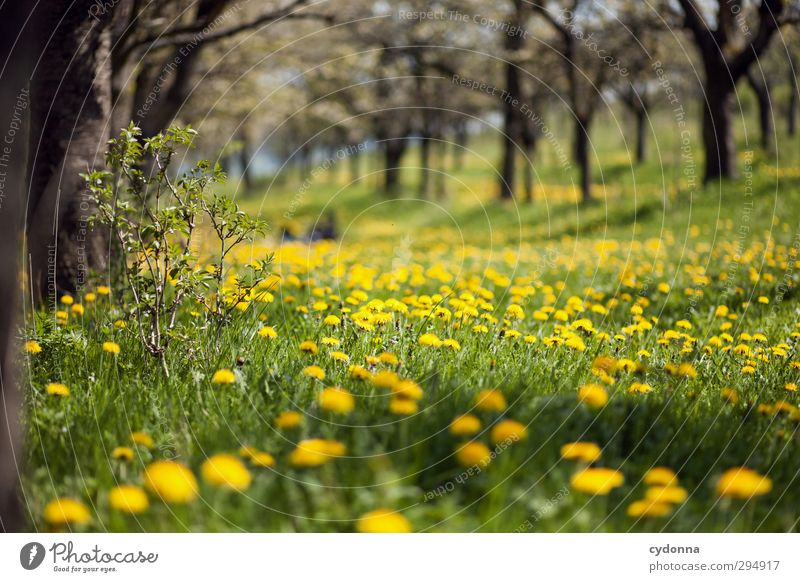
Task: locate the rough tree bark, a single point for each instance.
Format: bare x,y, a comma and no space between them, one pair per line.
69,127
20,48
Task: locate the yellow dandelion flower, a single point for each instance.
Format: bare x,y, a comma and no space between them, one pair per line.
57,389
227,471
429,339
223,376
66,511
667,494
465,425
383,521
122,453
639,388
359,372
143,439
490,401
337,400
648,508
309,347
314,372
473,453
288,419
128,499
262,459
171,481
268,332
660,476
730,394
581,451
596,480
389,359
315,452
743,483
33,347
408,389
508,431
385,379
593,395
452,344
403,406
111,348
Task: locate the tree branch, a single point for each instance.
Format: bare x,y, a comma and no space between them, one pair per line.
195,32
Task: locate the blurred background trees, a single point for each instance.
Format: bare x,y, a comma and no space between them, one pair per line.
280,86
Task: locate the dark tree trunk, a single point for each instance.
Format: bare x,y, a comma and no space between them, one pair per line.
582,158
791,109
460,146
513,130
425,165
162,87
441,182
21,49
393,152
355,170
70,115
513,120
718,140
245,162
529,142
641,134
761,90
724,64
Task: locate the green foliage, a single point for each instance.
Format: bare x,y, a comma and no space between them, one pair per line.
154,221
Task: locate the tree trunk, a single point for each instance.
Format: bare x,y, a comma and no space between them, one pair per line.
791,109
641,134
70,115
529,142
512,129
21,49
513,121
460,146
441,182
355,170
582,159
425,165
163,86
245,163
718,141
393,151
761,89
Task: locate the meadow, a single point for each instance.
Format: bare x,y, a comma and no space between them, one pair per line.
453,364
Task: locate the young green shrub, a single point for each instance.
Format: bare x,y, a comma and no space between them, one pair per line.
153,220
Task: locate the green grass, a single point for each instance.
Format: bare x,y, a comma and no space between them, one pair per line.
401,462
